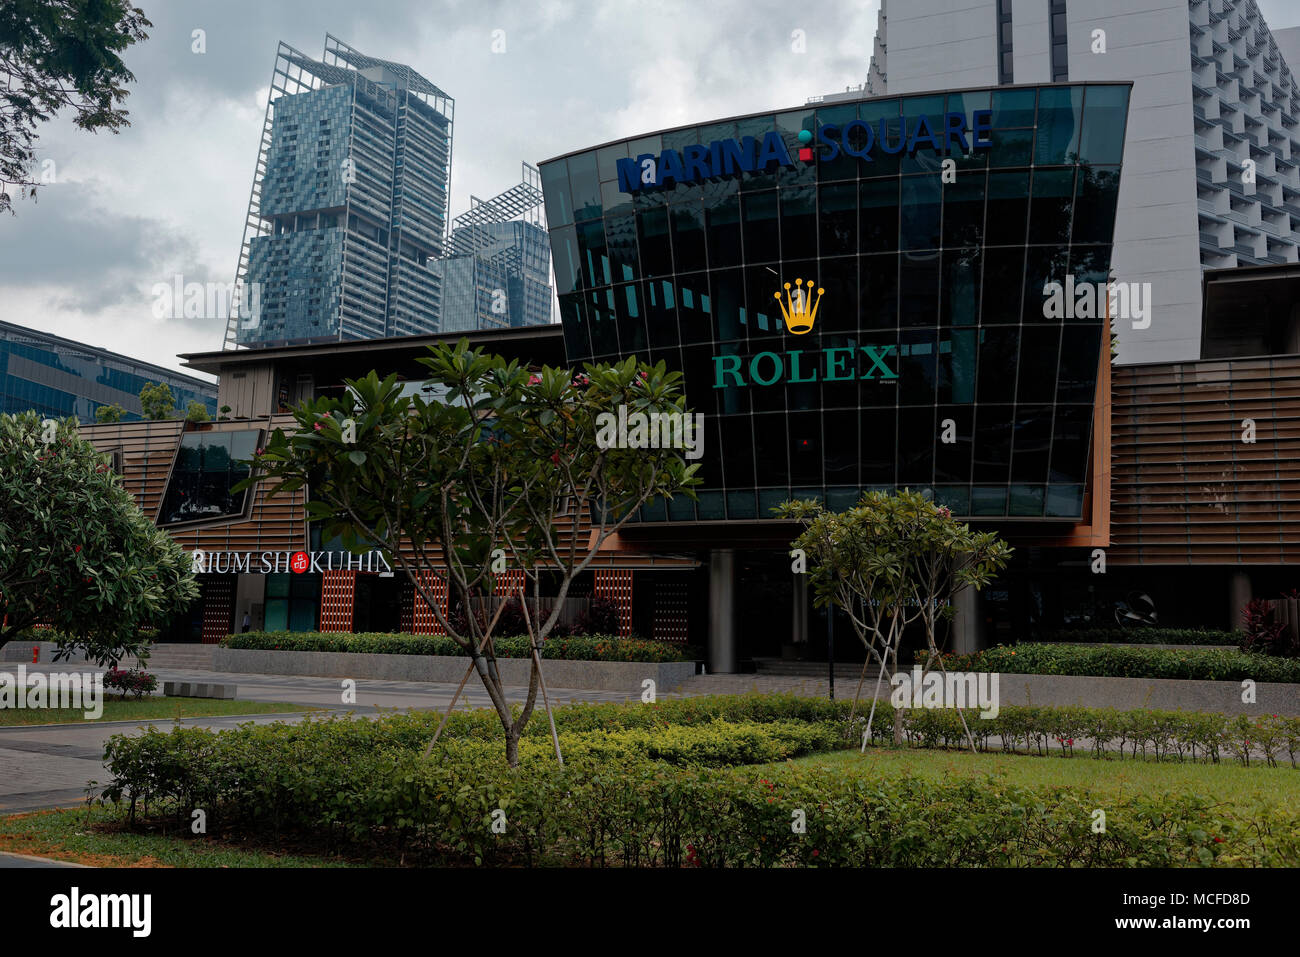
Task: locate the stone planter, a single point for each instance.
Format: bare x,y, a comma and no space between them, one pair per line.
1160,694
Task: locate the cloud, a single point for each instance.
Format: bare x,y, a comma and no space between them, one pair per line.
90,257
169,194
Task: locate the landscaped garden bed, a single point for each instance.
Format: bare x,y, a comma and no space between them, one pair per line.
691,782
1207,664
1145,637
569,648
588,663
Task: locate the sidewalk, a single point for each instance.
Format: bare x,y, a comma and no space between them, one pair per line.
51,765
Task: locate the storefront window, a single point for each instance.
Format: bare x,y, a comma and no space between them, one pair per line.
292,602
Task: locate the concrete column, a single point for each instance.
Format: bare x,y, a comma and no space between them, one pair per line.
799,610
967,633
1239,595
722,611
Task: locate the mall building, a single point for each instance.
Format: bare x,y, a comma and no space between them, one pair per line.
870,293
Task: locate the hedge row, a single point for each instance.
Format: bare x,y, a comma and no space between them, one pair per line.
1119,662
613,803
1144,636
585,648
1163,735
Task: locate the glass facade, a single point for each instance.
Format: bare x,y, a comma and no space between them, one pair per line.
59,377
934,359
504,282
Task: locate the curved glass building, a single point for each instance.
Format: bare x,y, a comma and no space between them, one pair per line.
892,292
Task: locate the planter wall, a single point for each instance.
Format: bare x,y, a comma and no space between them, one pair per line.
616,676
1163,694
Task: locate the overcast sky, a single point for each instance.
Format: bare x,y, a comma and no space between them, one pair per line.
169,194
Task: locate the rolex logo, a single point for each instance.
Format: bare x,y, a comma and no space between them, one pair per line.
799,307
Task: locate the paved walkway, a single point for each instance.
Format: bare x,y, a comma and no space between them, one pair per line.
52,765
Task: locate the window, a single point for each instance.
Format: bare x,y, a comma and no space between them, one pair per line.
1006,62
1060,49
292,602
207,466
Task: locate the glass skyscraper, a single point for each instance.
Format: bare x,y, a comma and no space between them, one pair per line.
349,201
497,270
505,282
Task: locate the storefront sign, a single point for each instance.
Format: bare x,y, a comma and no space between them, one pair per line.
834,364
272,563
944,135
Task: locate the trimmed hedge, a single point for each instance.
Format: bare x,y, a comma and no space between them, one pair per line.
1163,735
1207,664
1145,636
662,799
584,648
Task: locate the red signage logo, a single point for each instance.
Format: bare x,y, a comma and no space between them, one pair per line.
300,562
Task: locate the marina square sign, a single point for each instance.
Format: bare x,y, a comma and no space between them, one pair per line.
945,135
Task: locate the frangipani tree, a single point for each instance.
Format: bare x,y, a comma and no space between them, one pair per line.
506,469
889,561
76,551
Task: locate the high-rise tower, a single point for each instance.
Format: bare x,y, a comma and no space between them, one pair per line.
349,201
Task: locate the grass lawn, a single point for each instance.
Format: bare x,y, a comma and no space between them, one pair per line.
96,837
1229,781
145,708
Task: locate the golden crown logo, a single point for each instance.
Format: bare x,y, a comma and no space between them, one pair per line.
799,308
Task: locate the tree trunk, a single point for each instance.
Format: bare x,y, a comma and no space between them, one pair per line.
898,712
512,747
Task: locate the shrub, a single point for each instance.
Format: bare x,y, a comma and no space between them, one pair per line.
584,648
134,681
600,618
683,795
1265,634
1208,664
1144,636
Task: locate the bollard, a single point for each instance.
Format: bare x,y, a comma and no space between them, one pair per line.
36,654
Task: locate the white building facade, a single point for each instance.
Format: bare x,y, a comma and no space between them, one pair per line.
1212,153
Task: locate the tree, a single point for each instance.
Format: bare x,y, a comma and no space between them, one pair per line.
54,55
156,401
76,552
503,471
890,561
196,411
109,413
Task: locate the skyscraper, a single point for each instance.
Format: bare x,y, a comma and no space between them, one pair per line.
57,376
1212,158
497,269
349,201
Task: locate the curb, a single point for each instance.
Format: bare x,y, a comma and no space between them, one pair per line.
40,860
